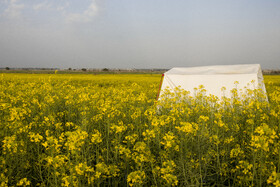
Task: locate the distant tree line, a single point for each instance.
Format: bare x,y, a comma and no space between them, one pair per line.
271,72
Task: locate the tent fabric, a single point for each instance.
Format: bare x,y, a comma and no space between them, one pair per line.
213,78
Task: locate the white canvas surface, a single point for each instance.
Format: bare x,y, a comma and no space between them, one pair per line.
213,78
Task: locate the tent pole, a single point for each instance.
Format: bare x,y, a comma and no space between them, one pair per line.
160,86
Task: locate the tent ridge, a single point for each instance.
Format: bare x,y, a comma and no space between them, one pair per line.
217,69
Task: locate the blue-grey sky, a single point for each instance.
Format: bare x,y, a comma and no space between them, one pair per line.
139,33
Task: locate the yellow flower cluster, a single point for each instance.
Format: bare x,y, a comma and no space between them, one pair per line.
136,178
274,179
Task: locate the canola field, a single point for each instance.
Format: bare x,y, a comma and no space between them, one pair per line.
109,130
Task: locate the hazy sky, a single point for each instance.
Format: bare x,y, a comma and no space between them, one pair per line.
139,33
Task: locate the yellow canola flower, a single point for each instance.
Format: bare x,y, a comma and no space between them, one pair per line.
124,151
81,168
136,178
130,138
52,143
75,139
66,181
274,179
96,137
203,118
35,137
167,173
3,180
23,182
10,144
169,140
118,128
185,127
149,134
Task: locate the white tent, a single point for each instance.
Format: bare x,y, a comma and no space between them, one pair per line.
213,78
